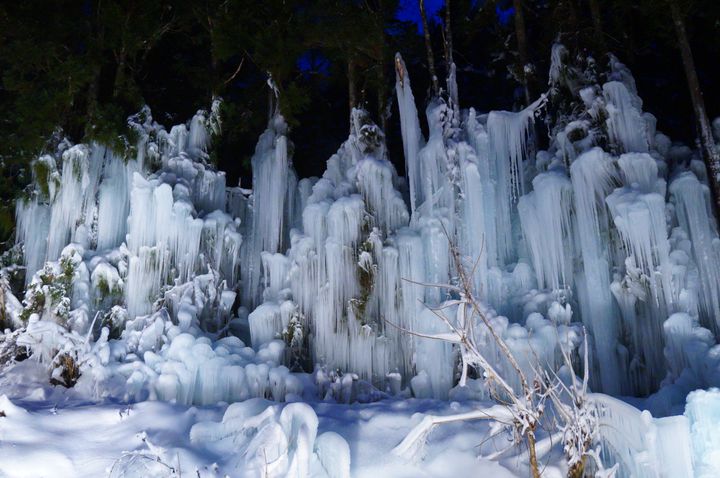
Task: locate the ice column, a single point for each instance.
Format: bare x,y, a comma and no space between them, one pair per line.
412,137
625,123
271,174
508,134
114,201
593,177
695,216
640,221
545,219
67,209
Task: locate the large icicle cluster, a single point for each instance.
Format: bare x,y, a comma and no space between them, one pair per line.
353,276
154,254
162,267
589,224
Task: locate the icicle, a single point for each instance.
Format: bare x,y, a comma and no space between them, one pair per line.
177,139
198,138
558,56
435,191
477,224
625,123
268,320
508,133
384,202
67,209
411,270
593,177
32,229
156,219
271,173
434,358
686,347
545,219
479,196
702,413
640,221
145,275
694,212
114,201
275,267
345,220
436,251
412,137
640,170
220,244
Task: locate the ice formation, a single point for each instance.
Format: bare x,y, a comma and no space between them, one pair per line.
702,412
643,446
272,203
149,268
692,206
413,140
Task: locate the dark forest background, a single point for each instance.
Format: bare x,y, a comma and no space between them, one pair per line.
80,68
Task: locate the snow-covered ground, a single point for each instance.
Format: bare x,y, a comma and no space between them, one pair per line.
50,432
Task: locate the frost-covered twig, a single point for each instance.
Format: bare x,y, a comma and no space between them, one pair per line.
411,446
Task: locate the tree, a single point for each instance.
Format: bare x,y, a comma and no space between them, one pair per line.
708,150
451,78
596,16
521,37
428,50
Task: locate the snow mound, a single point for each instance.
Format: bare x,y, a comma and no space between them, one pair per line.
268,440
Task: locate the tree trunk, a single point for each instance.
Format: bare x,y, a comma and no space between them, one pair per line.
119,74
574,25
95,27
625,19
92,99
214,71
707,145
534,469
451,81
597,26
381,91
381,98
522,46
352,98
3,318
448,37
428,48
